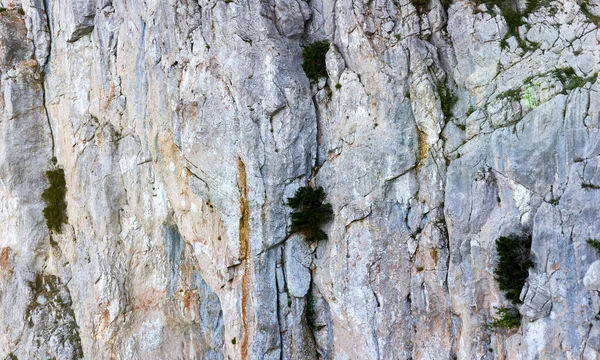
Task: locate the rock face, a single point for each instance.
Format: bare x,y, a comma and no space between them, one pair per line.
183,126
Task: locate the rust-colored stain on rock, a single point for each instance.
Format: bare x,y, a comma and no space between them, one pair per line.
243,254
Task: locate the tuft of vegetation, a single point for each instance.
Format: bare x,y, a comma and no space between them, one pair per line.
530,98
586,11
447,99
514,19
421,5
234,341
569,78
55,211
513,265
508,318
469,111
595,244
309,308
590,186
565,75
313,60
309,213
511,94
579,81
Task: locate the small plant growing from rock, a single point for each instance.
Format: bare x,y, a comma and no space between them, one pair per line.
447,99
595,244
514,18
420,5
508,318
55,211
313,60
590,186
512,94
513,265
309,213
586,11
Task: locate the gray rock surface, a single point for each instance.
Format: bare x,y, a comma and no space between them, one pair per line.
183,127
591,281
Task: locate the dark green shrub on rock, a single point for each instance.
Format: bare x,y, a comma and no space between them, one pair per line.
55,211
309,213
513,265
313,60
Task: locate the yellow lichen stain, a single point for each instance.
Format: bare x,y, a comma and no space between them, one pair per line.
422,148
434,256
168,148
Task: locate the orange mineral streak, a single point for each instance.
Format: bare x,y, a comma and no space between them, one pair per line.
104,321
243,255
190,300
244,210
5,267
245,299
148,299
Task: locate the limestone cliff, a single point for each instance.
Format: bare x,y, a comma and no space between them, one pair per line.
182,127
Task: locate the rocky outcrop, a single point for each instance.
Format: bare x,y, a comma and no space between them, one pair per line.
183,126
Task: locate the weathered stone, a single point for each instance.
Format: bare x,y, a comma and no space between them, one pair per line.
591,281
184,126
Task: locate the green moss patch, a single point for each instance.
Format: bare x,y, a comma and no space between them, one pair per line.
55,211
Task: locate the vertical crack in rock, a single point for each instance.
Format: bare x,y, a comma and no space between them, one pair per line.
174,247
317,162
43,74
46,112
280,287
211,320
